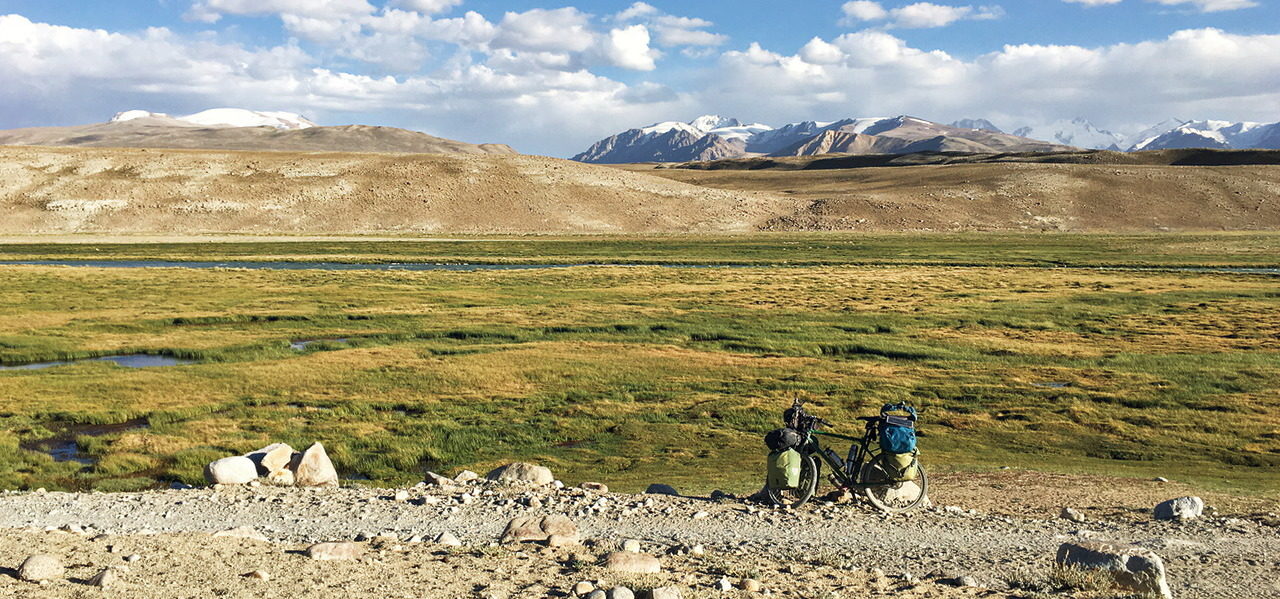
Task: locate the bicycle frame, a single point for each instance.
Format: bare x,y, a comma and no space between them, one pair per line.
861,450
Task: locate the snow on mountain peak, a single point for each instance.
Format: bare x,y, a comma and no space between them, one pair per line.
226,117
707,122
239,117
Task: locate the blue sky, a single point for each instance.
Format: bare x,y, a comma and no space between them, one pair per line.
552,77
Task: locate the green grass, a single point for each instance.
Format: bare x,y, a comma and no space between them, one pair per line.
987,249
638,375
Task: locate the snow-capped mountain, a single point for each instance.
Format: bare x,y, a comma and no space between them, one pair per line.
225,117
1076,132
1224,135
713,137
979,124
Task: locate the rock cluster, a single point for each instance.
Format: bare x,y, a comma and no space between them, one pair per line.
278,464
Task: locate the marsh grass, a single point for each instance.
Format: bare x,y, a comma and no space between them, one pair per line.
632,375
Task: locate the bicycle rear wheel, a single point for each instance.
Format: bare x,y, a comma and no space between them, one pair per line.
797,496
891,495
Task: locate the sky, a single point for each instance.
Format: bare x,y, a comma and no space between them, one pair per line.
553,77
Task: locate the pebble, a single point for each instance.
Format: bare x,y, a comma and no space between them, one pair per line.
621,593
105,579
259,575
583,588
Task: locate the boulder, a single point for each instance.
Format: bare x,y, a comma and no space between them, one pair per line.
235,470
438,480
1072,515
661,489
1133,568
534,528
466,476
272,458
595,487
582,588
620,593
40,567
335,551
1182,508
667,592
105,579
632,563
312,468
522,473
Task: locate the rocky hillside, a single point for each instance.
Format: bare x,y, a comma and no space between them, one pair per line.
520,533
63,190
203,131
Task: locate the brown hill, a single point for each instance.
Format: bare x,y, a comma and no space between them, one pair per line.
1013,196
154,132
61,190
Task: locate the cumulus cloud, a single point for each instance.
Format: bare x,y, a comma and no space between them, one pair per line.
629,48
672,31
429,7
876,73
210,11
920,15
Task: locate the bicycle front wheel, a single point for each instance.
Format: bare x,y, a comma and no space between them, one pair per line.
888,494
802,492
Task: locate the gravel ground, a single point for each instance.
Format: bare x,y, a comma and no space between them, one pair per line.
863,551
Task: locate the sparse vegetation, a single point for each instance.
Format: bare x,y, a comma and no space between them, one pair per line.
629,375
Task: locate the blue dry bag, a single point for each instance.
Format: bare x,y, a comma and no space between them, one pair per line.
897,432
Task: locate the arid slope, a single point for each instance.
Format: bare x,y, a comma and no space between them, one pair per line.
1013,196
65,190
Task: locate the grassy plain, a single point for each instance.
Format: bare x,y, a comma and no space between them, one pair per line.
633,375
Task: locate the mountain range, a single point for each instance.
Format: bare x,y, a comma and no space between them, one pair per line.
240,129
714,137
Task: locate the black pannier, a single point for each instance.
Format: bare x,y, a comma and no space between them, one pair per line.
782,439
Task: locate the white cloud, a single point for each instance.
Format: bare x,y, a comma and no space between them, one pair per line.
211,11
920,15
539,29
429,7
1211,5
672,31
875,73
863,10
1200,5
629,48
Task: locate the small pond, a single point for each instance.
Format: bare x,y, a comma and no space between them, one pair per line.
62,447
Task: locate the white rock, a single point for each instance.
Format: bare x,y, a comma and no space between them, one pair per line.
621,593
1072,515
724,585
1132,568
312,468
700,515
335,551
40,567
583,588
466,476
235,470
105,579
402,496
447,538
522,473
634,563
667,592
1182,508
631,545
